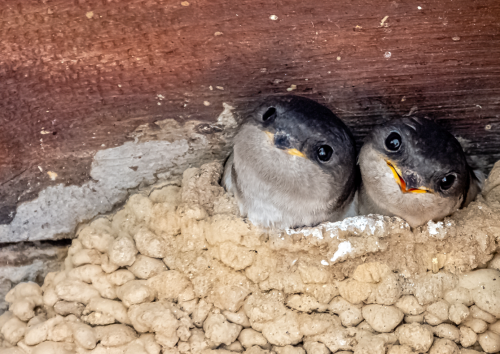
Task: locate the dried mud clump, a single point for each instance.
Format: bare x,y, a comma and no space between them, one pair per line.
178,272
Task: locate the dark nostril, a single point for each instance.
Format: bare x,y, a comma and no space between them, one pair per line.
412,179
269,114
281,141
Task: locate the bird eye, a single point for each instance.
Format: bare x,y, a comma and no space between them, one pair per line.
447,181
269,114
324,153
393,141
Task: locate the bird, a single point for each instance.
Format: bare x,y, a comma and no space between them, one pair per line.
293,164
415,169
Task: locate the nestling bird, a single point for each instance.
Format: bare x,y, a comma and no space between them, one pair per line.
414,169
293,164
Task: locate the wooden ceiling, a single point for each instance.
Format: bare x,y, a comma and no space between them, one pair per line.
78,76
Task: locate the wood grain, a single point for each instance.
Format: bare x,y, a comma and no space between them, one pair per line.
78,76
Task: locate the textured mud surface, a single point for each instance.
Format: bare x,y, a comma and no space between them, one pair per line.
178,271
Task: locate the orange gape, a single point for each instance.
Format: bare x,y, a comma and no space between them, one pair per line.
401,182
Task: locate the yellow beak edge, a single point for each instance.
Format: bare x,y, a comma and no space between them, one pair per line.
401,182
295,152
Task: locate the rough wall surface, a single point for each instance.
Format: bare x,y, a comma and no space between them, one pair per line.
178,271
159,152
77,77
28,262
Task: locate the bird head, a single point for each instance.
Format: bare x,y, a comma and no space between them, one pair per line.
299,142
304,128
414,160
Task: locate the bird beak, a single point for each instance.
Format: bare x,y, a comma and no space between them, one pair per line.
270,136
396,172
293,152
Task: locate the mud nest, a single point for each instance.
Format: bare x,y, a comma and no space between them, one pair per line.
179,271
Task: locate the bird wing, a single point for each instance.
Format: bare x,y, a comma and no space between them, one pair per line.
227,178
475,186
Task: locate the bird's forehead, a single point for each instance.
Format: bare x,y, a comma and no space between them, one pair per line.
302,121
425,146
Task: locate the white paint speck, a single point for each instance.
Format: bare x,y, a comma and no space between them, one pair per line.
357,225
307,231
434,227
387,55
41,170
206,103
343,249
383,20
324,262
294,261
273,17
52,175
419,7
317,233
160,97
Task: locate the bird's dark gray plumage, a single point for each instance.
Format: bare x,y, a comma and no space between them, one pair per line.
414,169
293,164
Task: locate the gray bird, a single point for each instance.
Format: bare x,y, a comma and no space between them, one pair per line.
414,169
293,164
